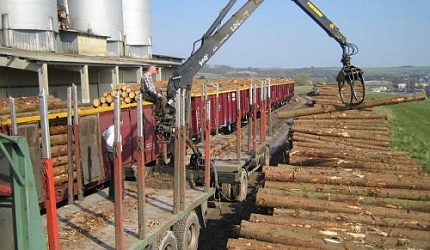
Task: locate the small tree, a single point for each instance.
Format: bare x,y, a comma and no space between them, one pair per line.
303,79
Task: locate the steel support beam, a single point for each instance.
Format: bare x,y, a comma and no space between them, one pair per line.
85,84
43,78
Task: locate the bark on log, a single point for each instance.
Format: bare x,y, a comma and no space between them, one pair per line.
364,218
366,179
62,169
420,206
297,136
346,115
279,234
337,225
366,104
347,134
350,155
378,167
60,160
249,244
275,201
62,178
419,195
58,150
60,139
58,129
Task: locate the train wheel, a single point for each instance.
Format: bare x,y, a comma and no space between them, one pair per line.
241,188
187,232
167,242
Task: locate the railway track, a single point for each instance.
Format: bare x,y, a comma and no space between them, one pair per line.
343,188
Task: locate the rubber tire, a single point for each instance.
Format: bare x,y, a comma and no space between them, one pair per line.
167,242
187,232
241,188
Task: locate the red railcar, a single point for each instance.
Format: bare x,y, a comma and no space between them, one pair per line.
224,110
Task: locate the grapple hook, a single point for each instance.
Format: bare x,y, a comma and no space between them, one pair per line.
351,85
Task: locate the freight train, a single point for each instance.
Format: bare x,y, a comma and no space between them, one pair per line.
93,121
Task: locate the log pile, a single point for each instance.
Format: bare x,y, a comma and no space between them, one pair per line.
344,188
29,106
59,152
128,93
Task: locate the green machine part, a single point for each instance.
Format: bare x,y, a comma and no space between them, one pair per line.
20,219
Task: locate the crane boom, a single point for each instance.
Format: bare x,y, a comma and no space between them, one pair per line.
211,41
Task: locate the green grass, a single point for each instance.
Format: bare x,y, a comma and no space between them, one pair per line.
302,89
410,129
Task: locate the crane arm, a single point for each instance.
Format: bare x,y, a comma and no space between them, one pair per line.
328,26
211,41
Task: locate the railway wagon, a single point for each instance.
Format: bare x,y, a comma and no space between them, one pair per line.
223,103
93,121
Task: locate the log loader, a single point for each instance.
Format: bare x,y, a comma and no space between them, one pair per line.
350,78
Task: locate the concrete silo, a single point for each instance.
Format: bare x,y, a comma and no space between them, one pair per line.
99,17
29,24
137,28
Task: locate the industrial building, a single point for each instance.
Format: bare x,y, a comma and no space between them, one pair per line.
94,44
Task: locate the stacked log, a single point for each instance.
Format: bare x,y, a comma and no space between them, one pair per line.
128,93
29,106
344,188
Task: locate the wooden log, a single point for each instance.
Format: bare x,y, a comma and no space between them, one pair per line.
62,169
366,104
364,218
276,201
354,164
127,100
336,226
410,205
337,177
109,99
279,234
249,244
348,115
342,126
57,129
29,104
58,150
363,143
352,154
97,102
60,139
60,160
419,195
62,178
347,134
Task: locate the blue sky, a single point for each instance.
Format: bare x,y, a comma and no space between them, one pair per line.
280,34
